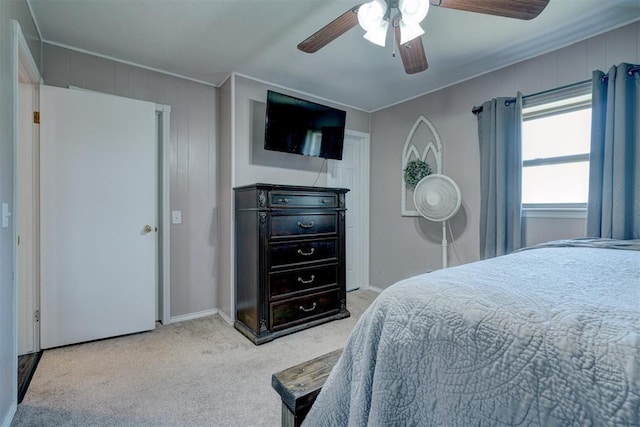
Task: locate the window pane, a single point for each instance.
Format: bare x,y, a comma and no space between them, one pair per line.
559,135
562,183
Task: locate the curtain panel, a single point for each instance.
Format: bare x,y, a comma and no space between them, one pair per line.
500,138
614,165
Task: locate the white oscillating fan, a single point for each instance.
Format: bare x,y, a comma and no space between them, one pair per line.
438,198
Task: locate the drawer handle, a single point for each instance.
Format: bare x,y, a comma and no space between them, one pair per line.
301,252
325,201
284,200
306,310
306,282
301,225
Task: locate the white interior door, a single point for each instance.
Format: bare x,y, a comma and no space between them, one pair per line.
26,220
352,172
98,195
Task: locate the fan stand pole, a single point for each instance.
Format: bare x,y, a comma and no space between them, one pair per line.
444,244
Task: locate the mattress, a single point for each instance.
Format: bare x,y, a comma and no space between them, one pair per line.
548,336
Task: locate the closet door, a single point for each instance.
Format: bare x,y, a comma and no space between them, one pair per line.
98,216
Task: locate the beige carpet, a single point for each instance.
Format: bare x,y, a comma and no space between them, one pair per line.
194,373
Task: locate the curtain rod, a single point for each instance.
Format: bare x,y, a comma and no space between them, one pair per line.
476,110
630,72
544,92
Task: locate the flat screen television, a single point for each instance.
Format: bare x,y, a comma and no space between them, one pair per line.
303,127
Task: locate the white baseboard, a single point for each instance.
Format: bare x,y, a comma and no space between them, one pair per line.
225,318
6,422
191,316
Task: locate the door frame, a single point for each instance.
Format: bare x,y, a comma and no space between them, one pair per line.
363,169
27,221
26,71
163,289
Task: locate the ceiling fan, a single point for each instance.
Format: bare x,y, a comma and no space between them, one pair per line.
376,15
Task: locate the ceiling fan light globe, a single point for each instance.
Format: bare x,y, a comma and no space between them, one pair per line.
409,32
413,11
378,35
370,15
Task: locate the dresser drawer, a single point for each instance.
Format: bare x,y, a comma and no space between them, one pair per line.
303,224
302,279
307,251
290,312
297,200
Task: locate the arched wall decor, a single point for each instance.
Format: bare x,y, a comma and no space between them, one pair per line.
422,143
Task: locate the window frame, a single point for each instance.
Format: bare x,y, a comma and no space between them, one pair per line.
553,102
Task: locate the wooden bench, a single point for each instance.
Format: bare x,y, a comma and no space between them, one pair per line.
299,386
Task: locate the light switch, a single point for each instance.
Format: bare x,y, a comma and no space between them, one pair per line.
176,217
5,215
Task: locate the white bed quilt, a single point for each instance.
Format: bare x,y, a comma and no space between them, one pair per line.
543,337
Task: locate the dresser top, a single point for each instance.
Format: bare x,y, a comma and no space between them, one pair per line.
282,187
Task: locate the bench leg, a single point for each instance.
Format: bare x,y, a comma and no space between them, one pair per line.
288,417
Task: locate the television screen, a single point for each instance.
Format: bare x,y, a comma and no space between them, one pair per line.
302,127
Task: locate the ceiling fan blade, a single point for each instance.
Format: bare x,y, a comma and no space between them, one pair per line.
331,31
519,9
412,53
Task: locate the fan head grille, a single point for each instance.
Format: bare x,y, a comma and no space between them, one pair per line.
437,197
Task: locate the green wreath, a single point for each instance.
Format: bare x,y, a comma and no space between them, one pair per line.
414,172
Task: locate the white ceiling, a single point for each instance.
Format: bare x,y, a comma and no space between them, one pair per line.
206,40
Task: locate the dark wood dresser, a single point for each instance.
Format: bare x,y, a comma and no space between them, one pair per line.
290,259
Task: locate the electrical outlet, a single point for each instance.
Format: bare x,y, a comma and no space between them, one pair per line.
176,217
5,215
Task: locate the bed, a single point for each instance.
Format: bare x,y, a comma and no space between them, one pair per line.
548,336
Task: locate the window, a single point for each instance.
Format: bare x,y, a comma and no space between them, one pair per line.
556,140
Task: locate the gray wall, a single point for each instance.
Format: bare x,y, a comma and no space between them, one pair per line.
216,144
254,163
192,159
9,10
401,246
249,163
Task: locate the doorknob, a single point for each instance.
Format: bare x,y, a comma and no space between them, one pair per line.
147,228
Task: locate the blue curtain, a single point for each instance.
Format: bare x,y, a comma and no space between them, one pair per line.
500,136
614,164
